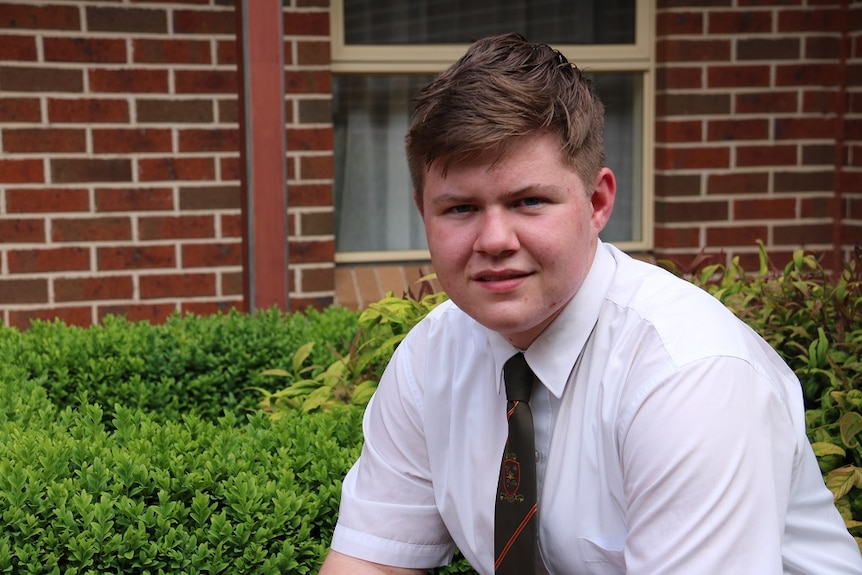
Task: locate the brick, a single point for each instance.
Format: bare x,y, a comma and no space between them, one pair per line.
210,198
47,200
17,48
228,111
667,237
170,51
672,185
153,313
300,303
91,50
308,195
216,254
310,251
134,199
736,235
87,110
22,291
820,74
819,101
21,230
802,234
175,227
231,225
806,128
177,285
128,80
135,257
93,288
678,78
75,315
818,154
173,168
22,110
229,168
40,79
823,48
740,22
810,20
99,229
314,111
693,50
691,211
208,22
226,52
209,140
205,81
174,111
692,158
306,23
738,183
816,207
768,49
695,104
798,181
231,283
317,223
318,280
310,138
65,171
28,17
308,82
21,171
136,20
49,260
766,155
733,130
210,307
132,141
317,167
686,23
313,53
770,103
764,209
54,140
738,76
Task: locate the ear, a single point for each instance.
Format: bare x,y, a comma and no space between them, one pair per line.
602,198
417,200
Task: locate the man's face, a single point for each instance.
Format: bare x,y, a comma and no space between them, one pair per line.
511,243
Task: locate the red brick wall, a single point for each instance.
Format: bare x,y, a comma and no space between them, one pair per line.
758,127
119,151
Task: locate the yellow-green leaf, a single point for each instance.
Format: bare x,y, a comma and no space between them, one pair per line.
822,448
850,424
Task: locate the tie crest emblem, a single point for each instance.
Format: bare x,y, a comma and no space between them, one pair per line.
511,479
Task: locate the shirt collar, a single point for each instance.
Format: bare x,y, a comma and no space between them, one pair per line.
552,356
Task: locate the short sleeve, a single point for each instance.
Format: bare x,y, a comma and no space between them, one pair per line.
388,513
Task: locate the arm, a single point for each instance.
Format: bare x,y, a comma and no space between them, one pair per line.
339,564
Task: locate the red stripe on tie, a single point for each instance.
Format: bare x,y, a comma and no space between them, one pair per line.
515,536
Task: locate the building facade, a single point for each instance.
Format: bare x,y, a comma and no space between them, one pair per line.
732,121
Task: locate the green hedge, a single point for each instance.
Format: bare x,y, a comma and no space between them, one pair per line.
199,365
146,496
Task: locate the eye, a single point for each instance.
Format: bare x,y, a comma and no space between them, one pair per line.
461,209
532,202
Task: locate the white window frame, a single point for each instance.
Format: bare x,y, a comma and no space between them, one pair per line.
434,58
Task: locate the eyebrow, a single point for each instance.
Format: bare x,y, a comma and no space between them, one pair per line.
454,198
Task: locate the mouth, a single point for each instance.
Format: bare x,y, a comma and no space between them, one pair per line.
500,276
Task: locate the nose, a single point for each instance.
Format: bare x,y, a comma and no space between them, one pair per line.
496,233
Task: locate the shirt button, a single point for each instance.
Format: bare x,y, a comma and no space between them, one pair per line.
538,455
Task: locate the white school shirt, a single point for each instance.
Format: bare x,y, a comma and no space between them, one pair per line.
670,438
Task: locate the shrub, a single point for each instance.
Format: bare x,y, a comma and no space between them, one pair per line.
187,496
190,364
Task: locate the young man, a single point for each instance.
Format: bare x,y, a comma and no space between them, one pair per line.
669,437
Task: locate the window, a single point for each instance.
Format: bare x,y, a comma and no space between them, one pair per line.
384,51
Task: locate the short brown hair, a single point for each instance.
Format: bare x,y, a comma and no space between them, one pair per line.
505,87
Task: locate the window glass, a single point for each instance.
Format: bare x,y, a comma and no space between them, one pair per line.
373,193
383,22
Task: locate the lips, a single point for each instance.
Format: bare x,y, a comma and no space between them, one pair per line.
497,276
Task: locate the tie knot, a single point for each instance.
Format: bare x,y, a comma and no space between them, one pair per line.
518,377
